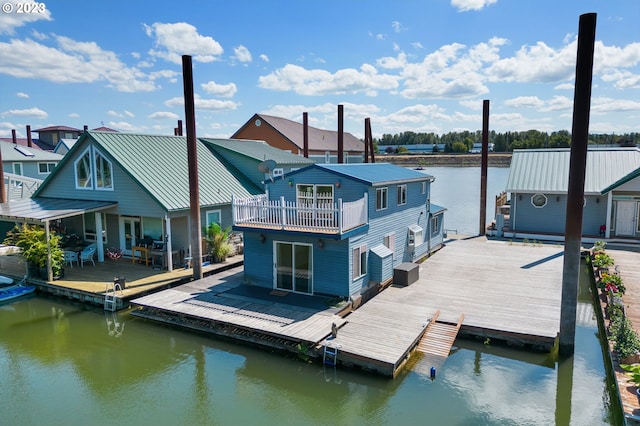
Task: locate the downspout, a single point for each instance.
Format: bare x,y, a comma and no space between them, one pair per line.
607,231
167,223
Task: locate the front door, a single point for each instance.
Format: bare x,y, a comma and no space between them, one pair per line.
130,233
625,218
292,267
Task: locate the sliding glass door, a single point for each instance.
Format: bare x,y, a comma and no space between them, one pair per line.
293,269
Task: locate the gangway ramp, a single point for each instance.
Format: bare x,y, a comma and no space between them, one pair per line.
437,341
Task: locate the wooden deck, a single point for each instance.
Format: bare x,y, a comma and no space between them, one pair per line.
506,291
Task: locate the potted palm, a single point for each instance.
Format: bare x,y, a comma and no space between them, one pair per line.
217,239
32,242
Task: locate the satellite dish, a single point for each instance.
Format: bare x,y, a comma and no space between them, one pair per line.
267,167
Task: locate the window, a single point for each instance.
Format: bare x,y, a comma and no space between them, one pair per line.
278,172
389,242
213,216
435,225
424,187
104,172
381,198
402,194
92,166
359,261
538,200
415,237
46,168
17,168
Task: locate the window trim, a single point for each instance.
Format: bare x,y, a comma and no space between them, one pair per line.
47,164
382,203
546,200
359,264
435,224
206,216
401,194
97,154
389,241
86,152
424,187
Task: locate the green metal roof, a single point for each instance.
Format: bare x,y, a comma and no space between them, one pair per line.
159,165
547,170
258,150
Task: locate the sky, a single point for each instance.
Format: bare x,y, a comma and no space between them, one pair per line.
408,65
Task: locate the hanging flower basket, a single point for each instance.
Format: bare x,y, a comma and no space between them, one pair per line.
115,254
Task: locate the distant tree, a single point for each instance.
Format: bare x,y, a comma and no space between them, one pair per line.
402,150
459,147
435,148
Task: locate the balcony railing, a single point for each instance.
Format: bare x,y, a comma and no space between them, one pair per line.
259,212
18,187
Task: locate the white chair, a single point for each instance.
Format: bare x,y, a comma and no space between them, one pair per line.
86,255
70,257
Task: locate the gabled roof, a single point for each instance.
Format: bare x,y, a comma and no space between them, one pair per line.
67,143
547,170
373,174
23,153
257,150
104,129
159,165
319,139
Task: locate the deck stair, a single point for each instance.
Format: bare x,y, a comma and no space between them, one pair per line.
111,295
437,340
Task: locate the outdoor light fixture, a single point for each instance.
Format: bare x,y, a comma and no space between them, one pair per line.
321,243
262,238
290,182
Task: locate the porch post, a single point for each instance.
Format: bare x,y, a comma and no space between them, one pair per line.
340,212
99,241
607,231
283,213
167,224
47,235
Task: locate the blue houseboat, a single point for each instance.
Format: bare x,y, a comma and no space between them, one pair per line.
337,229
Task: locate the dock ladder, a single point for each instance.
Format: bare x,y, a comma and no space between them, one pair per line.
330,356
112,293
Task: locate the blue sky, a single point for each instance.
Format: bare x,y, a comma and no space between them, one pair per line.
422,66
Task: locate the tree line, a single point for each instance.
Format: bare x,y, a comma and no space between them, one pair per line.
502,142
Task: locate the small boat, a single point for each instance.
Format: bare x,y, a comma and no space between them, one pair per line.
15,291
4,281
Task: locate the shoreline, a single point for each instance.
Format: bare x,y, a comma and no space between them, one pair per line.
445,160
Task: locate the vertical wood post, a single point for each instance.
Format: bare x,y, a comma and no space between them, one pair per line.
366,141
305,134
192,158
483,167
340,134
29,139
577,168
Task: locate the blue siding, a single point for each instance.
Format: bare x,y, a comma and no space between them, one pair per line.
552,217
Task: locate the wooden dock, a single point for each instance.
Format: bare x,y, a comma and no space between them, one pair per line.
437,341
507,291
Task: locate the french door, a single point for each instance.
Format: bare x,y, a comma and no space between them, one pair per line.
130,233
293,269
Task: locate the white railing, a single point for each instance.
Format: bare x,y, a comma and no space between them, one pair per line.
18,187
324,217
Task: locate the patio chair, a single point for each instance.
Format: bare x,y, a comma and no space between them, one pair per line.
87,255
70,257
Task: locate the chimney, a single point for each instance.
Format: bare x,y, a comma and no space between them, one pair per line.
373,158
366,140
86,128
29,140
340,133
305,134
179,128
13,136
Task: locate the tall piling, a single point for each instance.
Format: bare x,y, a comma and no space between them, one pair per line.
484,166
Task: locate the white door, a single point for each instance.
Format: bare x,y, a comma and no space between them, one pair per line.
625,218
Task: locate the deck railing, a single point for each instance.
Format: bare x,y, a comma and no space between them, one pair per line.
18,187
321,217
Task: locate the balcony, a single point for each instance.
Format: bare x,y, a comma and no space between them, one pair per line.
327,218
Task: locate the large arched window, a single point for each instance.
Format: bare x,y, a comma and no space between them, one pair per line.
93,170
83,170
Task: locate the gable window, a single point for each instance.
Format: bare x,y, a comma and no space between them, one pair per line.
83,171
381,198
359,261
45,168
104,171
402,194
539,200
93,171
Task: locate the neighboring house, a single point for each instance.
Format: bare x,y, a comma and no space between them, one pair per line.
64,146
287,135
537,188
53,134
26,161
130,188
337,229
259,161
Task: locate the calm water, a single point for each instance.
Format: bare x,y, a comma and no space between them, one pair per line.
67,364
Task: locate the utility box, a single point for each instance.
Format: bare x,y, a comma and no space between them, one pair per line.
406,273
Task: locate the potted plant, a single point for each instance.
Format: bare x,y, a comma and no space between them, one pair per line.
217,239
633,371
32,242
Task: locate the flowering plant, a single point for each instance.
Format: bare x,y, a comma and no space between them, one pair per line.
114,253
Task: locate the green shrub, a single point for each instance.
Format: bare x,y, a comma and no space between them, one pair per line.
602,260
626,339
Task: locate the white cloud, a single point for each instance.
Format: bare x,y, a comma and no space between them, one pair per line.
466,5
126,126
71,62
31,112
174,40
206,104
163,115
129,114
10,21
264,57
73,115
22,95
524,102
242,54
113,113
318,82
224,90
397,26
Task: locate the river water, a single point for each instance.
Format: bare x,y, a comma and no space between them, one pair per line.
63,363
